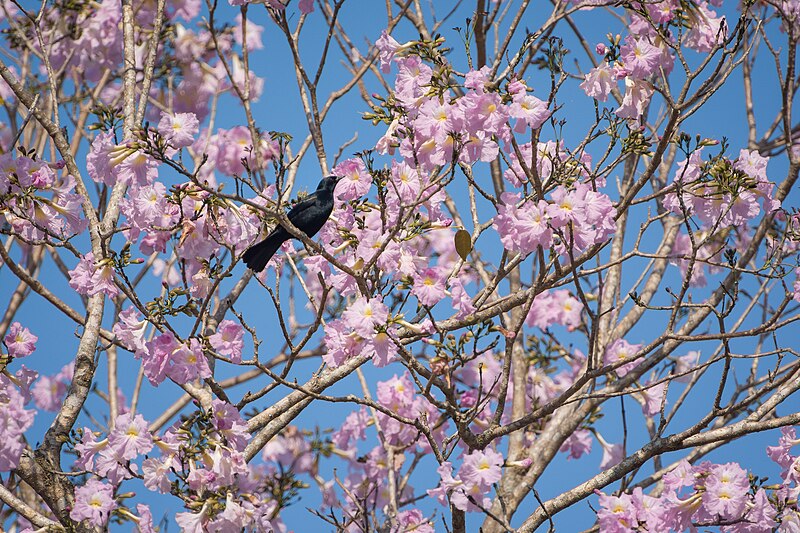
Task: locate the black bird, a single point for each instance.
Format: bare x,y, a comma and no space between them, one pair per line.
308,215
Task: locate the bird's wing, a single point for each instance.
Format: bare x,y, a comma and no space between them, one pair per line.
301,206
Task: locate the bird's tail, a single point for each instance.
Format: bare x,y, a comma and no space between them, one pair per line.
257,256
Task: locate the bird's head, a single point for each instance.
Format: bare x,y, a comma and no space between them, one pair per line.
329,182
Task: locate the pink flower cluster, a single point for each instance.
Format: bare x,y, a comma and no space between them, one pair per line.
622,351
153,219
227,148
719,494
90,278
555,307
165,356
573,219
645,54
725,193
48,392
433,129
94,502
366,471
111,457
480,469
211,468
15,419
36,201
363,328
19,341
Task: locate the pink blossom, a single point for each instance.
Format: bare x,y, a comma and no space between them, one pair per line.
14,421
726,491
525,228
554,307
427,151
137,167
341,343
413,76
663,11
484,112
387,46
88,448
447,483
110,464
796,286
637,96
382,348
707,29
179,129
652,511
188,363
290,450
653,397
89,279
679,477
353,429
414,520
306,6
156,356
94,501
406,181
233,518
428,287
781,453
462,301
185,9
612,455
396,394
598,82
363,315
130,436
99,162
479,147
23,379
617,514
19,341
145,520
224,465
685,364
193,522
228,340
254,32
48,393
130,329
621,350
577,444
753,164
482,468
355,180
168,273
156,473
477,79
229,424
640,57
761,516
528,110
438,118
231,146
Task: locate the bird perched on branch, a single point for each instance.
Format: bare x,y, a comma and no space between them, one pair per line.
308,215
